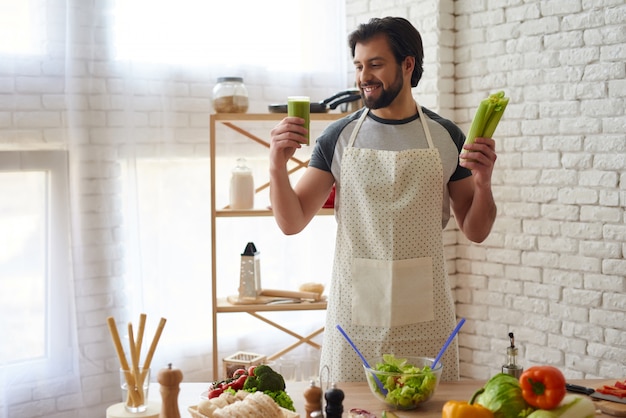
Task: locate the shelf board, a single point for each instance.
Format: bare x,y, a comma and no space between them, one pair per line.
271,116
224,306
230,213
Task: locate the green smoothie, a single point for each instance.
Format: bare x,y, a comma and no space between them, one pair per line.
300,106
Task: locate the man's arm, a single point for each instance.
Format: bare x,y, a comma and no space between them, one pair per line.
471,198
294,207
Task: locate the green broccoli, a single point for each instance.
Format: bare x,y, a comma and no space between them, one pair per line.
264,379
270,382
250,384
261,369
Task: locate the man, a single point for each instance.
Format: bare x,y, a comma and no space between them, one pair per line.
397,172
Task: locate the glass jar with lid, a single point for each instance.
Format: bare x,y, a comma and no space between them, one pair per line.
230,95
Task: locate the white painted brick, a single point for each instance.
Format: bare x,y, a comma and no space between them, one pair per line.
614,266
579,263
568,279
519,210
540,259
583,90
612,53
561,212
582,363
533,305
544,25
606,282
615,301
612,319
614,125
523,12
577,195
586,298
540,354
585,20
566,344
562,245
609,162
559,8
581,330
544,159
541,227
520,273
578,161
582,230
43,119
615,337
540,194
551,292
602,214
558,177
609,198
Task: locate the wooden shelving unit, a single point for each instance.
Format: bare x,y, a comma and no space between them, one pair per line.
258,311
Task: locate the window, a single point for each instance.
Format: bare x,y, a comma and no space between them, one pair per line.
34,261
284,35
21,26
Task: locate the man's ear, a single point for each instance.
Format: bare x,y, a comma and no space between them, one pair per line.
408,65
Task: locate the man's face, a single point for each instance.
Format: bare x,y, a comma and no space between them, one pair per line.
378,75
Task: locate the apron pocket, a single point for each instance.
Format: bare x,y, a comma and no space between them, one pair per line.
392,293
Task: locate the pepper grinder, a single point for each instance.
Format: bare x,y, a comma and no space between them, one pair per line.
512,367
312,400
170,379
334,402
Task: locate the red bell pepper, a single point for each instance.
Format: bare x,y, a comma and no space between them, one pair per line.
543,386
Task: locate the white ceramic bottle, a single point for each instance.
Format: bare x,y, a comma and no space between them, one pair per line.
241,186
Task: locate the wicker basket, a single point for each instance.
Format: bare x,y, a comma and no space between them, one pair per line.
241,359
193,410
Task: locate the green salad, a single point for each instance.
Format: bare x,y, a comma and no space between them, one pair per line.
405,391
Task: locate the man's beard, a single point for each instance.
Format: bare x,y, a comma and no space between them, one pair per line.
387,96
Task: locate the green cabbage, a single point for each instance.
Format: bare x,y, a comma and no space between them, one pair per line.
502,395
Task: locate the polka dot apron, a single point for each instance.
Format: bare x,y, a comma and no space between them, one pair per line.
390,289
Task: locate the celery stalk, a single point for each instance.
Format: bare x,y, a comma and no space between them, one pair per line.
493,121
487,117
478,123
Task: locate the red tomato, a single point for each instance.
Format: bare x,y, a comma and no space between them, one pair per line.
251,370
238,384
215,393
239,372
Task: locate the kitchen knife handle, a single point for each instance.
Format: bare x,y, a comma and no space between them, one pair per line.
578,389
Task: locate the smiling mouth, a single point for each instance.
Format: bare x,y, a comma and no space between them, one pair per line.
369,88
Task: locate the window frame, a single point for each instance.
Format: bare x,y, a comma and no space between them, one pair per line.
59,289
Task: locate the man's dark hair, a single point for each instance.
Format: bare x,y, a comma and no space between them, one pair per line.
404,40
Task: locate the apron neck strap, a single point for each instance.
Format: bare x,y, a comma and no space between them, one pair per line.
422,119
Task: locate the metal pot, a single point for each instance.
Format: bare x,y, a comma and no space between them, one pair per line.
346,96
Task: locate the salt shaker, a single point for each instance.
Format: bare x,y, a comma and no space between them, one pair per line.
312,399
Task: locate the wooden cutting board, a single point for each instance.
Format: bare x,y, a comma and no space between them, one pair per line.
610,408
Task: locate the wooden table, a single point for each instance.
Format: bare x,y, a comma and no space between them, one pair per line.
357,395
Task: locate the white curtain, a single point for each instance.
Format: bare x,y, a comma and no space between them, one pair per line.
122,91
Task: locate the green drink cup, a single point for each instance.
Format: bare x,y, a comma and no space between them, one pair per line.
300,106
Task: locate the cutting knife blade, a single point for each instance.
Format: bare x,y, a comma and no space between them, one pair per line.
593,393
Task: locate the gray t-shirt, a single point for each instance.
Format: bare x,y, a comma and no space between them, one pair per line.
392,135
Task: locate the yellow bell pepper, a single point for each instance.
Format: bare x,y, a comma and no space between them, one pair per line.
458,409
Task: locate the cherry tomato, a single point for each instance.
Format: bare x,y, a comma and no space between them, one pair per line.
251,370
239,372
